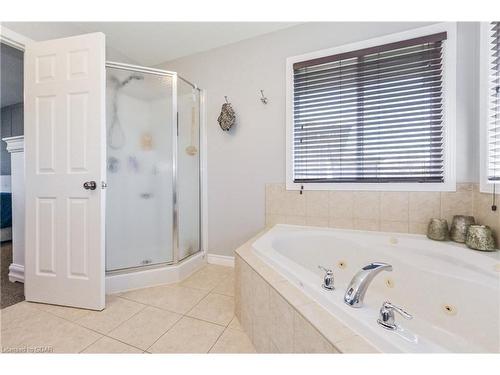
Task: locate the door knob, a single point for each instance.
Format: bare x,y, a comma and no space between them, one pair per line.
89,185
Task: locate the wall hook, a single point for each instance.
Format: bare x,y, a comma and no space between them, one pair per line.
225,98
263,98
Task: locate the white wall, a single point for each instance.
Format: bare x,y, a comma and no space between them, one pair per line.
242,161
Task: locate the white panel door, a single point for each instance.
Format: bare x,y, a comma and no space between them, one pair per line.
64,85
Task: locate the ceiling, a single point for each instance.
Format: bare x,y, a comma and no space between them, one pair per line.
152,43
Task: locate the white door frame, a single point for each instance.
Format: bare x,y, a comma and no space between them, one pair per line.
16,269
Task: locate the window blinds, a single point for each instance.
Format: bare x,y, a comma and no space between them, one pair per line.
371,115
494,103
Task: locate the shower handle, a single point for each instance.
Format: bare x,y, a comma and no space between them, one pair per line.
90,185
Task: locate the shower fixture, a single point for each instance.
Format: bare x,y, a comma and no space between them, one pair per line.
116,135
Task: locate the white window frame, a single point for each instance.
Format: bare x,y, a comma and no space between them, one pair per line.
449,112
485,186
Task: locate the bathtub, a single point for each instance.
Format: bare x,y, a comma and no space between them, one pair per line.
452,292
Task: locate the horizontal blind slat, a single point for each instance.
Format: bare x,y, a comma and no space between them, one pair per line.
374,117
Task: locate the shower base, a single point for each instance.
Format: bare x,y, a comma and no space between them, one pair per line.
121,281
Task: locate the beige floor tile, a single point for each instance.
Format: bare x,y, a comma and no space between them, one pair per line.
117,311
235,324
109,345
68,313
233,341
144,328
39,331
208,277
174,298
226,286
188,336
215,308
17,315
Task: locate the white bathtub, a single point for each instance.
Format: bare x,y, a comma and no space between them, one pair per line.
452,292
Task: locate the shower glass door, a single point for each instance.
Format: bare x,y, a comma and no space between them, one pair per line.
188,171
140,175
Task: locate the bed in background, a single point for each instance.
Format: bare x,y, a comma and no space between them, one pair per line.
5,216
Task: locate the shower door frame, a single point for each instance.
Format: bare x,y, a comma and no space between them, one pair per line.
201,169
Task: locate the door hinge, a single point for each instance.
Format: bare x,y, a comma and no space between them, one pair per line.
104,185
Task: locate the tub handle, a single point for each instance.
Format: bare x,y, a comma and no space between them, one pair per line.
328,279
387,319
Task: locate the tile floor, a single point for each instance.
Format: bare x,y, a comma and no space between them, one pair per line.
194,316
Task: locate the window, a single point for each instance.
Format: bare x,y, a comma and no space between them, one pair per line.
493,97
371,117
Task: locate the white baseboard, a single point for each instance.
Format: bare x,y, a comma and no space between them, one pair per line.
16,273
221,260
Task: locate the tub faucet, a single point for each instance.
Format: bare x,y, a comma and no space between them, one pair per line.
356,290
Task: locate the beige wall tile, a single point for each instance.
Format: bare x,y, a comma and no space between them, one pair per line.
423,206
394,206
366,205
465,186
261,316
367,224
317,203
281,323
295,220
294,204
417,228
275,198
246,300
237,287
272,220
331,328
482,203
307,339
456,203
347,223
341,204
394,226
317,221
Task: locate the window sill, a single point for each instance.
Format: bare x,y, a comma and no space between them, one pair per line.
449,186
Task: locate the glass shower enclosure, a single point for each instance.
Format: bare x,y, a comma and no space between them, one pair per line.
153,205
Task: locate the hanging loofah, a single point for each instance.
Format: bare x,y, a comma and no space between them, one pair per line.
227,117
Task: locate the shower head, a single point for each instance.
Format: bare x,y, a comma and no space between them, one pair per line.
120,84
130,78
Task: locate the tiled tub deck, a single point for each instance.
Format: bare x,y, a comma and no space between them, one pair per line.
279,318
